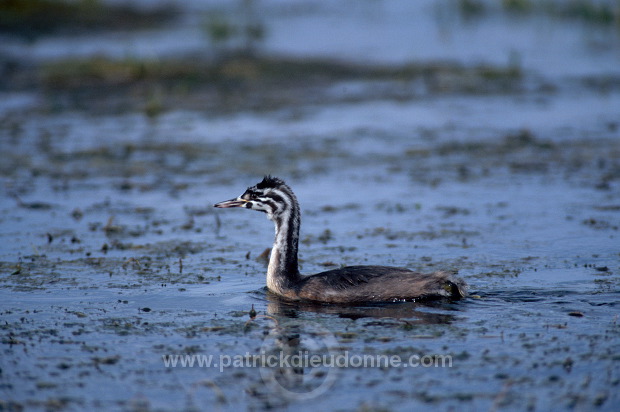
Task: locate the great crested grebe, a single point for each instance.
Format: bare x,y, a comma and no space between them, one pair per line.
351,284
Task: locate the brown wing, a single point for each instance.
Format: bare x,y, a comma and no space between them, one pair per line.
379,284
350,276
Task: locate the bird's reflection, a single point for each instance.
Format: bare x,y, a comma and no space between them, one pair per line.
294,337
413,312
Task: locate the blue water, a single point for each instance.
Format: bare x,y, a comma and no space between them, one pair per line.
112,256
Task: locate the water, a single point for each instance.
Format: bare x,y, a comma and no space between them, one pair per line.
112,256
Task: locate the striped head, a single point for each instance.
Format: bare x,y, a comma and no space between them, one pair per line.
271,195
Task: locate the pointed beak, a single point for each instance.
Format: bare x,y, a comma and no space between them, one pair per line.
231,203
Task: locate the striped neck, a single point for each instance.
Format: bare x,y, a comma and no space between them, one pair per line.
283,271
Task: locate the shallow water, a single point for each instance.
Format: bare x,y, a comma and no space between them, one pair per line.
113,257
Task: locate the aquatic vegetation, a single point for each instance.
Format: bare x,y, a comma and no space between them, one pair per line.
241,82
597,12
227,35
592,11
33,18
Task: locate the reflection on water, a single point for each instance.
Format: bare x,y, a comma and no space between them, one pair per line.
411,313
298,359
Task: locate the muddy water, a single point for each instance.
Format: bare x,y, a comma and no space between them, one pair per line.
113,260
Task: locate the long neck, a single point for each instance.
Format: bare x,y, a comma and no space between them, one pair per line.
283,270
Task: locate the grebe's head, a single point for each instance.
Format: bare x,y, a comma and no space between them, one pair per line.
271,195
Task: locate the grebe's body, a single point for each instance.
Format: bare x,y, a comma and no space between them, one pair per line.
352,284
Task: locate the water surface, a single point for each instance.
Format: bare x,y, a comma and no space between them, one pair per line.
112,256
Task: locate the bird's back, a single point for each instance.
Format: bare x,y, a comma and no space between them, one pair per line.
355,284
